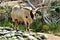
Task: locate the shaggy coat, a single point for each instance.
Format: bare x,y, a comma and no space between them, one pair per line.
22,15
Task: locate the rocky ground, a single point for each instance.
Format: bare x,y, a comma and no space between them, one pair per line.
48,36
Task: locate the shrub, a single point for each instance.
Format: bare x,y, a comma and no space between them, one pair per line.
36,25
45,28
6,10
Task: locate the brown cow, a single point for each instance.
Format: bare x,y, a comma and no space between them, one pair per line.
23,15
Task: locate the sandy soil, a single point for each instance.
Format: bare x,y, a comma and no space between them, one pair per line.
49,36
53,37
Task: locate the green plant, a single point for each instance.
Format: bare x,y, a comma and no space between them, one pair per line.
36,25
6,10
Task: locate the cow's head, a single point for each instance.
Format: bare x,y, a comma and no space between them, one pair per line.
35,14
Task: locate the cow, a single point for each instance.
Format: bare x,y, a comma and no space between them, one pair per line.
23,15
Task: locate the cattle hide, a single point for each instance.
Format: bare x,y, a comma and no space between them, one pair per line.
22,15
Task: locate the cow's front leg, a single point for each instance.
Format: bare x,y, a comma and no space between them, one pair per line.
16,25
27,28
12,25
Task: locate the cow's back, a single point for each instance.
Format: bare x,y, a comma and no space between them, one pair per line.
21,15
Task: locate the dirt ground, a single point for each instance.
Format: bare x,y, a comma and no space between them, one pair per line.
49,36
53,37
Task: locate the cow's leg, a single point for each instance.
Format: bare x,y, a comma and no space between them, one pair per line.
27,28
25,25
12,23
16,24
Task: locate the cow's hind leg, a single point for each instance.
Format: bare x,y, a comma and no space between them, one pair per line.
16,24
12,23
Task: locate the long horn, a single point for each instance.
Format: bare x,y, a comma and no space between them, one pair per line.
42,7
28,1
37,8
